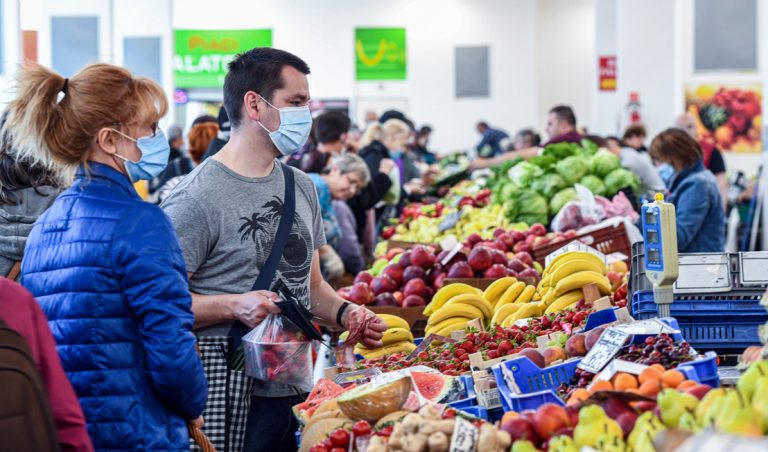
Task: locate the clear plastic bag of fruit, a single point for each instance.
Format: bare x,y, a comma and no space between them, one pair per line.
276,350
583,211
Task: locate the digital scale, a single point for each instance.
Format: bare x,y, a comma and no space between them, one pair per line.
660,236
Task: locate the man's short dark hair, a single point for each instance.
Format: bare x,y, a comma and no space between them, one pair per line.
483,124
528,135
635,130
258,70
330,126
565,113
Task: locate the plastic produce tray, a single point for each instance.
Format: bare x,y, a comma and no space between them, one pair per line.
607,240
723,337
741,275
717,309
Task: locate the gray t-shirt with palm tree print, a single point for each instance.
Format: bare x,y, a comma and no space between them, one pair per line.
226,224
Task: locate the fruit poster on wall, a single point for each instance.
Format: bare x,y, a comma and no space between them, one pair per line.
728,115
380,54
201,57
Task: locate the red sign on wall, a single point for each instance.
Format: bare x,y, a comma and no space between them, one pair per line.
607,73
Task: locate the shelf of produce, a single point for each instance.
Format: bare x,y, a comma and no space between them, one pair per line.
607,240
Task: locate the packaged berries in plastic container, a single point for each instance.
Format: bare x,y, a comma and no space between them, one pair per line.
277,351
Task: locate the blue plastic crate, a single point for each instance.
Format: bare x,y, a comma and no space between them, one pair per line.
733,307
471,399
599,318
705,368
481,412
531,378
724,336
671,321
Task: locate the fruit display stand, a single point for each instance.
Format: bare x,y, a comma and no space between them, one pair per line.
608,240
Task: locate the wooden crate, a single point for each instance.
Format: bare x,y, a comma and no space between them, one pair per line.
480,283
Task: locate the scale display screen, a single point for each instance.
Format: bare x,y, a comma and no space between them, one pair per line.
652,236
650,217
654,256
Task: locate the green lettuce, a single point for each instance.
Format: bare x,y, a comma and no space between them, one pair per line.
618,179
603,162
594,184
572,169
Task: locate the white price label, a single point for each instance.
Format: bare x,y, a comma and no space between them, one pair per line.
465,436
650,326
604,350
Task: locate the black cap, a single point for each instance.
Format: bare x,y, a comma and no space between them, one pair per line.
395,114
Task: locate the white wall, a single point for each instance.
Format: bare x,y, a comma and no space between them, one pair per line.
322,32
606,105
567,62
11,43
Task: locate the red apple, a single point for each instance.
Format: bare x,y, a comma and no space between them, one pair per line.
550,418
385,299
344,293
433,275
520,428
521,246
699,391
392,253
573,414
499,244
615,407
507,239
405,259
534,355
382,284
418,287
498,231
530,276
496,271
413,301
498,257
439,281
480,259
538,229
592,337
530,240
395,272
627,421
645,406
398,297
460,270
525,257
413,272
360,293
364,277
518,236
422,257
554,353
474,238
516,265
575,346
567,431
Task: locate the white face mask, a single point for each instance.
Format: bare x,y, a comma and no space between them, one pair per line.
294,129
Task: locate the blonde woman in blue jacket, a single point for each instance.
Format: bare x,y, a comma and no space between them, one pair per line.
105,266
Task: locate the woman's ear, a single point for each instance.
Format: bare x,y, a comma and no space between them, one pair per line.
106,140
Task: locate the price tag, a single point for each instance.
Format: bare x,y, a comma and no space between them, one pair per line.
465,436
450,221
453,252
604,350
356,376
651,326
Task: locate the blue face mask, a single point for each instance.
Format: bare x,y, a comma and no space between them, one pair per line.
396,154
154,156
667,173
295,125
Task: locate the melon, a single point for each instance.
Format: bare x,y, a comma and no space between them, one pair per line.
437,388
320,430
324,390
371,403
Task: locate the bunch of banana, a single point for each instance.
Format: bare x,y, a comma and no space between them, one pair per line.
453,307
563,279
511,300
397,338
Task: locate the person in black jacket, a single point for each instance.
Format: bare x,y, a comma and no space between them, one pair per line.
222,137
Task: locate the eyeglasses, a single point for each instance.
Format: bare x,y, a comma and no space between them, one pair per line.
154,127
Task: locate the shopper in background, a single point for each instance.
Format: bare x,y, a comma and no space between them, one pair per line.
21,313
526,139
330,130
421,146
693,191
226,213
105,266
640,164
634,137
222,136
342,178
175,141
350,248
712,156
492,141
29,184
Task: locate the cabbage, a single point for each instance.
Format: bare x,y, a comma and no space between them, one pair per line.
594,184
548,184
588,147
561,198
572,169
603,162
523,174
618,179
529,207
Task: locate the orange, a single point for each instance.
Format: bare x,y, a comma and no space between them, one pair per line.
686,384
650,373
601,385
577,396
659,367
650,388
623,381
633,391
672,378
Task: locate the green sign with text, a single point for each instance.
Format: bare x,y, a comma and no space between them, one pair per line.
380,54
201,57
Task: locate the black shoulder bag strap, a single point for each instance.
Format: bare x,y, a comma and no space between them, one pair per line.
268,271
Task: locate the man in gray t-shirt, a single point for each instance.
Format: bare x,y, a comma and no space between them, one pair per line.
226,213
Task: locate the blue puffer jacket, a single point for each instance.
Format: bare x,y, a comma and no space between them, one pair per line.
108,271
699,211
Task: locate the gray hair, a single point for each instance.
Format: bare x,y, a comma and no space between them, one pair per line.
351,163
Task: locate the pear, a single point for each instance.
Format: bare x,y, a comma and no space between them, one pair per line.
737,417
562,443
688,422
593,422
610,443
673,404
645,443
748,380
523,446
760,402
647,424
709,406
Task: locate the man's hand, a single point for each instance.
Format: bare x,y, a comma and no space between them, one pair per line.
252,308
386,166
363,323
